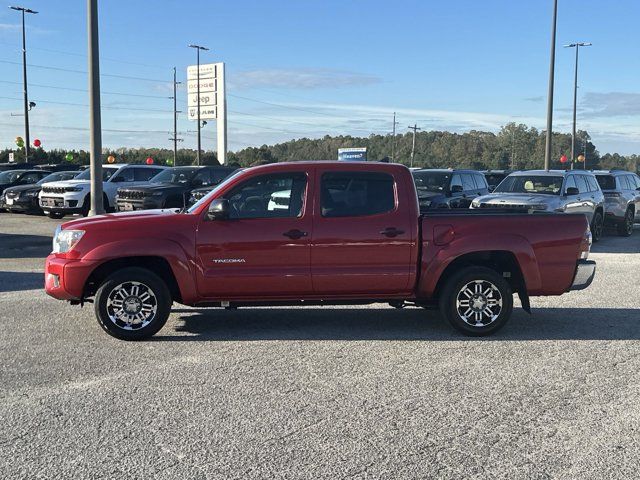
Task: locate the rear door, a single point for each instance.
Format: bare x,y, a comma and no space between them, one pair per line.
263,249
586,197
634,182
362,237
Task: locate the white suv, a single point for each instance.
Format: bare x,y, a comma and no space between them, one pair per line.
58,199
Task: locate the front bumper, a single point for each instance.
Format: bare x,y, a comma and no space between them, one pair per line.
23,204
70,202
585,271
65,278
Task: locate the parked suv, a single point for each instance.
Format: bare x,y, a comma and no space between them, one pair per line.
621,199
24,198
58,199
570,191
171,188
441,188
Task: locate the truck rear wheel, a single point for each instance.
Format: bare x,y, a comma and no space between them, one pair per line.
625,228
132,304
477,301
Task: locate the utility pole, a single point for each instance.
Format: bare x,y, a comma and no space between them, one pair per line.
95,125
552,61
415,128
27,144
393,141
175,138
198,48
575,98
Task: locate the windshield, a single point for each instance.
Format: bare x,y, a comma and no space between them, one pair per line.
106,174
57,177
213,192
606,182
545,184
178,176
436,182
10,176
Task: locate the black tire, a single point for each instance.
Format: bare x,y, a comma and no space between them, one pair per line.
483,324
625,228
110,317
597,226
55,215
86,206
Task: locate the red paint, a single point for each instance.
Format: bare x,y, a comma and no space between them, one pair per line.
346,258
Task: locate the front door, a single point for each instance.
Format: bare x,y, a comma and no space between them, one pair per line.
362,241
263,249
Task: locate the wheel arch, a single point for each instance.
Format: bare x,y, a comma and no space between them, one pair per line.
158,265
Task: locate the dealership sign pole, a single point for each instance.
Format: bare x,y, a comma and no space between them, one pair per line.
207,100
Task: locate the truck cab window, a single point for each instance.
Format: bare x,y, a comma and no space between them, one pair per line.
355,194
268,196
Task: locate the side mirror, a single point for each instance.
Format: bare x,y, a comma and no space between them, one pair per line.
572,191
218,209
456,188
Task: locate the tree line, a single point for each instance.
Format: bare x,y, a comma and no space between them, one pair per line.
515,146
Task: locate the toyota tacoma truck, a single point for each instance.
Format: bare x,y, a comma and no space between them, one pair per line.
310,233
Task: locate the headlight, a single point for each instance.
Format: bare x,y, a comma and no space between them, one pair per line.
73,189
475,203
65,240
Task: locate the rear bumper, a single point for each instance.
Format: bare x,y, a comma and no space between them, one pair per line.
585,271
65,279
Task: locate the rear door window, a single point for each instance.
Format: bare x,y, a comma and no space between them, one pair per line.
467,182
481,182
356,194
622,181
635,181
581,182
593,184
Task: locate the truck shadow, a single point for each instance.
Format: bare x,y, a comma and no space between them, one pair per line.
19,281
24,246
390,324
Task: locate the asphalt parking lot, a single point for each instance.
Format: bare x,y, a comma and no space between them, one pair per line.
331,393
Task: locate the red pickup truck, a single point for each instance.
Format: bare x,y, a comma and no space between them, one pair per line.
308,233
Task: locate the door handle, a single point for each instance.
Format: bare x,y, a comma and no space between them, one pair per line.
295,234
391,232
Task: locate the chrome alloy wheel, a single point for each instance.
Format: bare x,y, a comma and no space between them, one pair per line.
132,305
479,303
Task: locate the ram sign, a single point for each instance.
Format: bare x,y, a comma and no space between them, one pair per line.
352,154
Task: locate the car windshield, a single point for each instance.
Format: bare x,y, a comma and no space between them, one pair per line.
606,182
10,176
57,177
216,189
178,176
545,184
107,173
431,181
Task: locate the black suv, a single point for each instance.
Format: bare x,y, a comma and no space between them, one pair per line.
440,188
621,199
494,177
171,188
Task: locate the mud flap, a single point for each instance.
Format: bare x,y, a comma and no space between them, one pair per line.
524,300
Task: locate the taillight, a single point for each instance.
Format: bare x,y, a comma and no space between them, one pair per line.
585,244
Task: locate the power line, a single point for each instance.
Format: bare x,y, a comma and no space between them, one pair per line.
85,91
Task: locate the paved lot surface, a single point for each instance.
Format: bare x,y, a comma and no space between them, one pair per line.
319,392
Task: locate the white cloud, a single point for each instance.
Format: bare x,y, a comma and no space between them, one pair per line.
610,104
304,78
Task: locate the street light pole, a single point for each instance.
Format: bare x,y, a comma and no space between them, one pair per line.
552,61
393,141
198,48
415,128
95,123
575,98
27,144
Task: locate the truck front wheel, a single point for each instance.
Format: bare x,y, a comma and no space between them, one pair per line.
132,304
477,301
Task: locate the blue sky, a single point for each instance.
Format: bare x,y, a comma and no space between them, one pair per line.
325,67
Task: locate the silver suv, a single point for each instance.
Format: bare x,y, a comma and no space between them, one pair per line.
622,199
570,191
